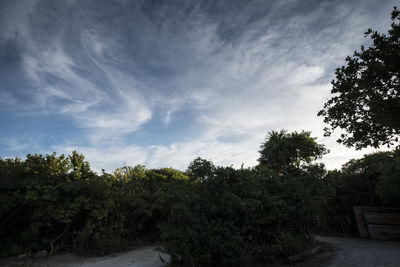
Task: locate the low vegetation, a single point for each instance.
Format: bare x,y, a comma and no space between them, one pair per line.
373,180
205,216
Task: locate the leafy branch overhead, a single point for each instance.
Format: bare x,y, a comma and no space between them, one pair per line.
366,93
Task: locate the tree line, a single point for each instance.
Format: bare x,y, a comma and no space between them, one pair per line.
205,216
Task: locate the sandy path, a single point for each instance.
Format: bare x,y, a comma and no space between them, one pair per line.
355,252
141,257
337,252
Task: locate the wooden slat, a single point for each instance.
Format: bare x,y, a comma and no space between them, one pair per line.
384,232
382,218
379,209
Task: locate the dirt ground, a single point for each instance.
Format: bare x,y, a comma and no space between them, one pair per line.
142,257
337,252
354,252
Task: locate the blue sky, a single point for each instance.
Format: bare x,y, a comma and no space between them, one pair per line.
160,83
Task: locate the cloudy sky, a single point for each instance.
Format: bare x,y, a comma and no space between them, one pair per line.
160,83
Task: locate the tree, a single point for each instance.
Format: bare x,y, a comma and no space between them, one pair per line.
373,180
201,169
366,93
80,167
388,186
282,150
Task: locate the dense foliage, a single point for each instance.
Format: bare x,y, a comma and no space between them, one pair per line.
373,180
366,92
206,216
283,151
50,202
229,217
238,216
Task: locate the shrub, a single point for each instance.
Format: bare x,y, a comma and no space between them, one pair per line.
370,181
52,203
232,217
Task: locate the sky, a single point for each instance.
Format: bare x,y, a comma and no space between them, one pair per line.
160,83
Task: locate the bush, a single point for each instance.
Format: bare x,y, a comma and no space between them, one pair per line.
370,181
208,216
233,217
52,203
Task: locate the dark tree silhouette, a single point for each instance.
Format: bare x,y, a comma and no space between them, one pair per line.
366,92
282,150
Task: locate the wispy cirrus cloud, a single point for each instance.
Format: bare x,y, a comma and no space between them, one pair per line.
160,83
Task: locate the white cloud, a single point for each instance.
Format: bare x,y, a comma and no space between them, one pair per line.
259,75
115,110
